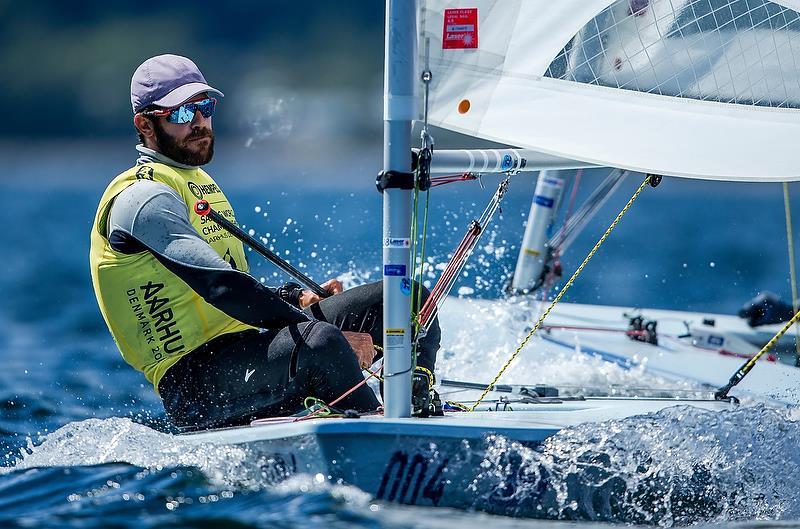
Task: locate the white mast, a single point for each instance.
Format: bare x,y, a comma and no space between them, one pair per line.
534,251
399,109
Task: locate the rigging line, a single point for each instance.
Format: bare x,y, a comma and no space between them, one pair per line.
523,387
414,241
423,167
787,207
629,332
596,195
450,179
416,287
651,180
456,264
449,275
588,210
579,328
722,393
419,285
324,406
568,215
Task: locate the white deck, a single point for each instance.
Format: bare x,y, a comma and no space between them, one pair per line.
528,422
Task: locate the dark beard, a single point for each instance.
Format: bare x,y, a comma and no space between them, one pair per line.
181,152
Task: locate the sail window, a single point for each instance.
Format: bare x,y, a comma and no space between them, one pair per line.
744,52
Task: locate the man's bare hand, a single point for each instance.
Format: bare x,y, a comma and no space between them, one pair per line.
361,343
334,286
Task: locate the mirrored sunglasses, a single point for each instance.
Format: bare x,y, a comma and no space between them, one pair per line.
185,113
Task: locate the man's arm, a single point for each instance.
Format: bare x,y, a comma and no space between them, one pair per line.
150,216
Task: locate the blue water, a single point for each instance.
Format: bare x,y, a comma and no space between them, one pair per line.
685,245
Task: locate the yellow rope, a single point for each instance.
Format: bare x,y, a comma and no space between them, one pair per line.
373,373
323,410
787,207
563,290
458,405
770,343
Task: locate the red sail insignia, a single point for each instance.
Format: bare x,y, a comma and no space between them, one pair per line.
460,29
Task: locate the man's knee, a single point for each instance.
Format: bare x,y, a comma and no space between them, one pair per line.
327,342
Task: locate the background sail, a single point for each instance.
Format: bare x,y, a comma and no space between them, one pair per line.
694,88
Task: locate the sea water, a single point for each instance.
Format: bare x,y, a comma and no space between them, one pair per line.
84,441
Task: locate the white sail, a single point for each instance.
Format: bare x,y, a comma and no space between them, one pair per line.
693,88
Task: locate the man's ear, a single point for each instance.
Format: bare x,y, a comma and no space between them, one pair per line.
144,125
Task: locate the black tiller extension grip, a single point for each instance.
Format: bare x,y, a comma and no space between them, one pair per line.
203,208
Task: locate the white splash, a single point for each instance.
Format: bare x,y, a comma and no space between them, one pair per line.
99,441
680,466
478,338
268,117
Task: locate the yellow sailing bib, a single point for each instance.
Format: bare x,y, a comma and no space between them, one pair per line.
154,317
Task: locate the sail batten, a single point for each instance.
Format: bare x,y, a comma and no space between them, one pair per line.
694,88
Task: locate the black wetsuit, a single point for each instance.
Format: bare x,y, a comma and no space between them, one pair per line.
235,378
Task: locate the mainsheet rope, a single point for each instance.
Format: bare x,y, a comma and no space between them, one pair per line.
651,180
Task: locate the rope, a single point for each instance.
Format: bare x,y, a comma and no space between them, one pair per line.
570,229
449,179
449,275
787,207
722,393
416,287
325,408
423,167
456,264
649,180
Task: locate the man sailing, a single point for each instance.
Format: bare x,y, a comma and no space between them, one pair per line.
219,347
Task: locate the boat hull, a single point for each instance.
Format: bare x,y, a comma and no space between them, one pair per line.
448,461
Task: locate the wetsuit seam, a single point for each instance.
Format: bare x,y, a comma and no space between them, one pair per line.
296,349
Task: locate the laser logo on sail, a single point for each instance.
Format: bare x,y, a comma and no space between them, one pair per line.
460,29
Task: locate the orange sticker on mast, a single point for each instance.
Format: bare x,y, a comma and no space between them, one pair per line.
460,29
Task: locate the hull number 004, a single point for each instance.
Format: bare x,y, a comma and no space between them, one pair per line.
406,477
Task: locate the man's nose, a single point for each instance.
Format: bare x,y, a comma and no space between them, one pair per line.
200,120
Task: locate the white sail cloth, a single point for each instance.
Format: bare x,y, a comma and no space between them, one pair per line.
692,88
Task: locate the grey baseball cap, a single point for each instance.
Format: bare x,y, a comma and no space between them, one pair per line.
167,81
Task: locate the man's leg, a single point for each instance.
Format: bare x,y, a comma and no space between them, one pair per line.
263,374
360,309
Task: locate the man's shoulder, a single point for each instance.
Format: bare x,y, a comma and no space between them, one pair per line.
143,190
148,173
145,201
